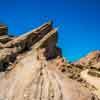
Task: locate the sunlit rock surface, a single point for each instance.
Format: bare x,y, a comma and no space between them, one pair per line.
32,68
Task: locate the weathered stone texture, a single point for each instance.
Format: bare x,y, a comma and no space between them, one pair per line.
32,68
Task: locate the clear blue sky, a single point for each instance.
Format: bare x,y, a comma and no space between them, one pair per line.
78,21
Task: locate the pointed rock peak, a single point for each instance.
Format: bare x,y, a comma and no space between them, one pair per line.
44,36
50,22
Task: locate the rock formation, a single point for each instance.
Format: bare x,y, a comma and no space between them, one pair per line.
90,65
32,68
4,37
3,29
92,59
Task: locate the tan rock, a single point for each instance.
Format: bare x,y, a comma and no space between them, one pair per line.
3,30
90,59
29,63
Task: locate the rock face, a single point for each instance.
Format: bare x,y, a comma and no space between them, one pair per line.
4,37
92,59
3,29
32,68
26,41
90,70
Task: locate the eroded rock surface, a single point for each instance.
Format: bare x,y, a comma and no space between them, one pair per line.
32,68
90,70
90,59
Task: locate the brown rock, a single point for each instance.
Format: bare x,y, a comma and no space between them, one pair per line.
3,30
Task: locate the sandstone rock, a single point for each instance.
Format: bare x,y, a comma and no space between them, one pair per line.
30,64
5,38
24,42
90,59
3,30
30,38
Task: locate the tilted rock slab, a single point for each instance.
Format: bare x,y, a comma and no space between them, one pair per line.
32,77
11,49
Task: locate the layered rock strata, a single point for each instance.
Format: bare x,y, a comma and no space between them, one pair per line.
32,68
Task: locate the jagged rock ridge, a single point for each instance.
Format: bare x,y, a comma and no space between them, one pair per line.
32,68
92,59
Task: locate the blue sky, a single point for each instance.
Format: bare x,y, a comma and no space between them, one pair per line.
78,22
